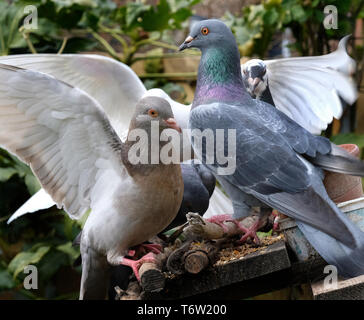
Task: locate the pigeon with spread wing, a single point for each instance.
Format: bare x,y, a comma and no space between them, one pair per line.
66,138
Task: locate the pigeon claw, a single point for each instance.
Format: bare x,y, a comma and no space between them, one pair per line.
136,264
250,233
220,219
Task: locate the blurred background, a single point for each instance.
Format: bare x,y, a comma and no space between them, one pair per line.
145,35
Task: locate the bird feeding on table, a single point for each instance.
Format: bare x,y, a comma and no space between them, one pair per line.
278,163
67,140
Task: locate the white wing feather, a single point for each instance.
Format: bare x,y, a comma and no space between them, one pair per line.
39,201
307,89
63,135
219,204
112,84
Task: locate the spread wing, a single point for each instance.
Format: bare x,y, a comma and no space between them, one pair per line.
63,134
112,84
308,89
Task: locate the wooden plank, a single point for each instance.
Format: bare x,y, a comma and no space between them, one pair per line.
299,273
350,289
254,265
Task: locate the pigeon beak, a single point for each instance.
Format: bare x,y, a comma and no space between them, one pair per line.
172,123
186,43
253,83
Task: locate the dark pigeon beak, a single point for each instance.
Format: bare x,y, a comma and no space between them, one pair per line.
186,43
253,83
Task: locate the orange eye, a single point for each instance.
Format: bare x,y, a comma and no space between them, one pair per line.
205,31
153,113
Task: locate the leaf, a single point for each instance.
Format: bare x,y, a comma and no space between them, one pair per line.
156,18
6,174
6,281
68,249
271,17
298,13
344,138
32,183
134,11
262,235
51,263
23,259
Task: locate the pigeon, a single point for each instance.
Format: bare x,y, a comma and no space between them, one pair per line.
307,89
199,184
108,80
279,164
66,138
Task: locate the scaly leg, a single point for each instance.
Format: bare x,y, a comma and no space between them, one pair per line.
135,264
220,219
249,232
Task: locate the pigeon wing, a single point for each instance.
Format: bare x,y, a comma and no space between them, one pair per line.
308,89
114,85
63,134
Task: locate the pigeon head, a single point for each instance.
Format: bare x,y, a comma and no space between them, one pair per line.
255,76
208,33
219,76
151,109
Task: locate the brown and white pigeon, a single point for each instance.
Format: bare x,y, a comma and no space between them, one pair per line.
67,140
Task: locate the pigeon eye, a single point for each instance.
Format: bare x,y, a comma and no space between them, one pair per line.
153,113
205,31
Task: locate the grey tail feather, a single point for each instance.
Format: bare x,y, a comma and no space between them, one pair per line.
348,261
314,207
340,161
95,275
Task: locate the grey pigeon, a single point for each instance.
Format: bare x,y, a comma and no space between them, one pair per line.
80,161
278,163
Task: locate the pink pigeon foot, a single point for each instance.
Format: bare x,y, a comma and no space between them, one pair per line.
131,253
135,264
250,232
220,219
275,214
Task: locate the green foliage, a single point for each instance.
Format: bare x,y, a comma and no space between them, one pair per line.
56,19
256,26
353,138
10,165
165,15
23,259
10,18
43,240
